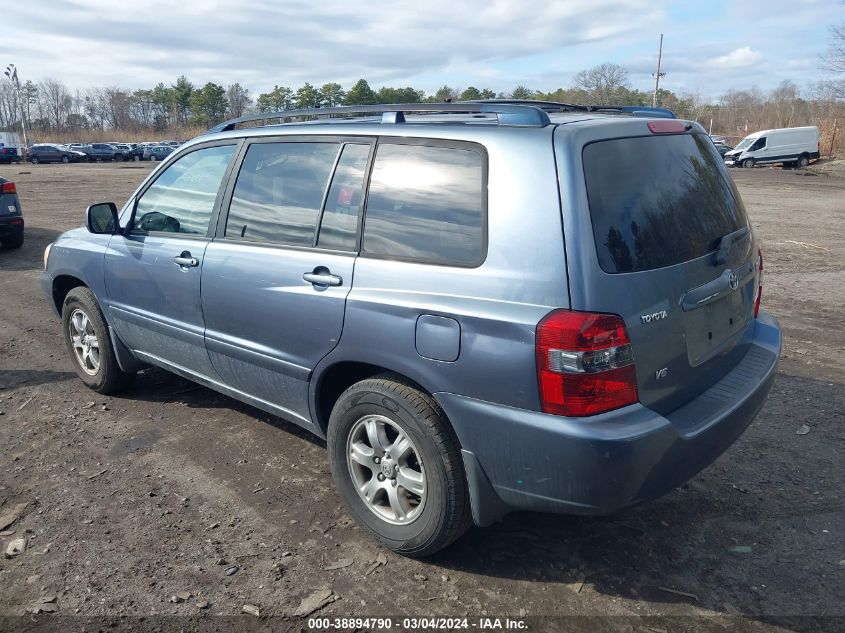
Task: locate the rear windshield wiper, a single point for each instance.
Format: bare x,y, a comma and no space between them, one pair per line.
725,243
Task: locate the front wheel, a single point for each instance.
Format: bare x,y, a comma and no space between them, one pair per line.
803,161
748,163
136,158
34,160
89,344
65,159
397,465
152,158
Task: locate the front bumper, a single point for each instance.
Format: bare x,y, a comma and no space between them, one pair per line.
518,459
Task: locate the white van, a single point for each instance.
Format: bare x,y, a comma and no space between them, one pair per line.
795,146
10,147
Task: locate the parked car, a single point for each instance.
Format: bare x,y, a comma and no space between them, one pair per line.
11,218
722,148
123,151
47,153
157,152
136,152
794,147
105,151
488,308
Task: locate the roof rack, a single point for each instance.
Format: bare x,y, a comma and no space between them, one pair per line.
516,114
556,106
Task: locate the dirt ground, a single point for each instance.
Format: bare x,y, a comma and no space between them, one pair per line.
132,500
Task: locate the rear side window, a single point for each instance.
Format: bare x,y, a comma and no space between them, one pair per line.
339,226
279,192
657,201
426,204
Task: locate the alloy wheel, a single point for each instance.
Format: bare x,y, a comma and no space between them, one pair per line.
86,346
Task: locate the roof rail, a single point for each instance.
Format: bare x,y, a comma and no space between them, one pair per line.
522,114
555,106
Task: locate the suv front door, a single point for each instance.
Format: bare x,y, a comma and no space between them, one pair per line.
275,280
152,271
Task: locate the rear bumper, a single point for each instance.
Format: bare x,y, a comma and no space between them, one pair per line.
11,226
518,459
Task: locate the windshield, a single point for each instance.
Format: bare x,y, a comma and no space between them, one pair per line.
746,142
657,201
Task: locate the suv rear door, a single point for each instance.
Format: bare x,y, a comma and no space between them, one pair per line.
276,276
644,218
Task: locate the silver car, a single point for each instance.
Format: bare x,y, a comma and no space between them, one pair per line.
482,307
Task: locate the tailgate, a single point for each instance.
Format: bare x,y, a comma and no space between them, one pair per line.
663,241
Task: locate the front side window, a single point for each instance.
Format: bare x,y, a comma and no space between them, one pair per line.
279,192
181,199
759,144
426,204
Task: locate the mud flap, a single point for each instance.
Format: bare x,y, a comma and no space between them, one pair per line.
487,507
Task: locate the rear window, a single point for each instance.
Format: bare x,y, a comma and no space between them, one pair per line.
657,201
426,204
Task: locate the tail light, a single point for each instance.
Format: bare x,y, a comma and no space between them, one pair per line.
8,187
585,364
759,283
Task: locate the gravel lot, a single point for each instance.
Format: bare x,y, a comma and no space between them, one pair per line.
134,500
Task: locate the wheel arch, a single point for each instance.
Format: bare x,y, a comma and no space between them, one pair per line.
62,285
331,381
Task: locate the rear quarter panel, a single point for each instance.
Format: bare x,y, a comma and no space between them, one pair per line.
497,304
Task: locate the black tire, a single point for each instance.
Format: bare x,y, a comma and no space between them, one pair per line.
108,377
15,241
748,163
65,159
136,158
445,513
802,161
152,157
34,160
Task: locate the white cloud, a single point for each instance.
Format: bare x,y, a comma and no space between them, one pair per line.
740,58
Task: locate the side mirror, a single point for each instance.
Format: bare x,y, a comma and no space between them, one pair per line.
101,218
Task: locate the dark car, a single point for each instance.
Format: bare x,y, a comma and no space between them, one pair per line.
46,153
136,152
157,152
105,151
722,148
482,307
11,220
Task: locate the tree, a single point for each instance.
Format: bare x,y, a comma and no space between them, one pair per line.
471,94
238,99
399,95
521,92
332,94
834,59
208,104
182,92
279,98
361,94
604,83
444,94
307,97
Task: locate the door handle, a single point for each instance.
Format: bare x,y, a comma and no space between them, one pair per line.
186,261
322,276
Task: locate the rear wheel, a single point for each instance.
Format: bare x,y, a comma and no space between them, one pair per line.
152,157
34,160
397,465
89,344
748,163
136,158
65,159
15,241
803,161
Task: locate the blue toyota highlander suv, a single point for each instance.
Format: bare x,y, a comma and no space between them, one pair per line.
481,306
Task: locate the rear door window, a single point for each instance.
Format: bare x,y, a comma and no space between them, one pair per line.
339,225
656,201
279,192
426,203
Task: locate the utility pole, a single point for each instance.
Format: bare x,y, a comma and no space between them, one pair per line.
658,74
12,73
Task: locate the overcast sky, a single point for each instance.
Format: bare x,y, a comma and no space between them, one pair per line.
709,46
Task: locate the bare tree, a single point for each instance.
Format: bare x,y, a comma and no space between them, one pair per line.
602,83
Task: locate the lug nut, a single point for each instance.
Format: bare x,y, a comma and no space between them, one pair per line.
377,460
380,477
393,482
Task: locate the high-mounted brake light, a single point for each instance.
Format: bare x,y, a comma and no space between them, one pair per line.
668,126
759,283
585,364
8,187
